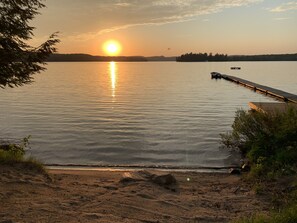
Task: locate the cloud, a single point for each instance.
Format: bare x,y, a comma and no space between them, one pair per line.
118,15
173,2
283,18
122,4
91,35
285,7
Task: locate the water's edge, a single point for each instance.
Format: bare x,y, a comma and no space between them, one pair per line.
200,169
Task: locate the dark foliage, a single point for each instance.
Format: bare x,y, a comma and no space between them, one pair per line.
201,57
18,60
269,141
87,57
269,57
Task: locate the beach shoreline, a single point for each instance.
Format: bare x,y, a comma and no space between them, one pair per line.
107,196
139,168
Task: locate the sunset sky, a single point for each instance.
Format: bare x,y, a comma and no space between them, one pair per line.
171,27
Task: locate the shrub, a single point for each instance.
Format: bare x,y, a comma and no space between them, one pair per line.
14,154
11,152
268,140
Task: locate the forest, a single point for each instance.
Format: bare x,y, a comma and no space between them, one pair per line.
203,57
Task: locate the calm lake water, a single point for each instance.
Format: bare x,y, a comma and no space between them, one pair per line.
150,113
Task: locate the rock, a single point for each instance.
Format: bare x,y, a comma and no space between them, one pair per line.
145,174
234,171
164,180
128,178
167,181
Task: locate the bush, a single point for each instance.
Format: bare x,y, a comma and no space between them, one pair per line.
14,154
11,152
268,140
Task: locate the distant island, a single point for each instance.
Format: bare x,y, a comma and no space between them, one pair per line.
203,57
188,57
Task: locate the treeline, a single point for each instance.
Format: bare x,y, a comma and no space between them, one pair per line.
267,57
188,57
87,57
160,58
202,57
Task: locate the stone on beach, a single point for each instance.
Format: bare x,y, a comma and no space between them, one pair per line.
163,180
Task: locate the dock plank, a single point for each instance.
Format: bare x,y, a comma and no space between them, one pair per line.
279,94
271,107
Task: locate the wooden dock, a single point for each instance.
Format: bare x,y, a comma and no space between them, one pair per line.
271,107
278,94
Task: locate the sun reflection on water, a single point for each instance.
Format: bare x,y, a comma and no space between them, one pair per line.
113,77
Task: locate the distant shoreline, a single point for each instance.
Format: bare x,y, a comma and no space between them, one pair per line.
183,58
204,57
91,58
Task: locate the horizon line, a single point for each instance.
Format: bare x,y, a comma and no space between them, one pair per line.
173,56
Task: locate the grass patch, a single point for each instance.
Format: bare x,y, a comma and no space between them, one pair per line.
287,215
14,155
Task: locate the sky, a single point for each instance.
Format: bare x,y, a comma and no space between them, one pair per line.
170,27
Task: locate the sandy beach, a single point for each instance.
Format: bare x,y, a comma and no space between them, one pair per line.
123,196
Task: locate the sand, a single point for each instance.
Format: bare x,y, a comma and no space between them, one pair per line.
101,196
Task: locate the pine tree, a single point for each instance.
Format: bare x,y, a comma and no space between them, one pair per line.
18,60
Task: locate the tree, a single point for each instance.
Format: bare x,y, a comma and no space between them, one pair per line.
18,60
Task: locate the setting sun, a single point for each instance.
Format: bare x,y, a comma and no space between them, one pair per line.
112,48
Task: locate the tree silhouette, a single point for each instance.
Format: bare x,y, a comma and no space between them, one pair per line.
201,57
18,60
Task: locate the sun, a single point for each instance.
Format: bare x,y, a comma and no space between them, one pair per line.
112,47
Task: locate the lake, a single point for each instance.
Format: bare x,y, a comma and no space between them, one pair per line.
135,114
